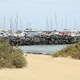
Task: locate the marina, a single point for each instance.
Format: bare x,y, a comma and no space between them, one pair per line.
32,32
39,40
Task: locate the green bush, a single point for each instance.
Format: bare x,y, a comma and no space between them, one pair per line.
71,50
11,57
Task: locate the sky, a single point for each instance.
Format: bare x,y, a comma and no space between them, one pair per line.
40,14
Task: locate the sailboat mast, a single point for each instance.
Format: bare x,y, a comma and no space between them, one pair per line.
21,23
16,21
11,23
47,24
62,24
75,25
56,23
51,24
3,22
30,25
0,23
78,27
66,23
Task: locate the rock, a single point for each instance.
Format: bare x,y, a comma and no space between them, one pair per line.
43,40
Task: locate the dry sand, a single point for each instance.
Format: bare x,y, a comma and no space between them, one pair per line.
44,67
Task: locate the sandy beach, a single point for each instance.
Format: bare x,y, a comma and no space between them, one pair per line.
44,67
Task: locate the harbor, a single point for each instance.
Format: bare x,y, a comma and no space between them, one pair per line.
39,40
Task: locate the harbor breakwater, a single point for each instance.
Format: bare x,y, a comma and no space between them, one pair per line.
43,40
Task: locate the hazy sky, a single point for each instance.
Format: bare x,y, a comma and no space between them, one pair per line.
36,11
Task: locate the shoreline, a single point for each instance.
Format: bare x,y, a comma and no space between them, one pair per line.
44,67
25,53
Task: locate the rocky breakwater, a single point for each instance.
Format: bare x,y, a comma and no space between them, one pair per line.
43,40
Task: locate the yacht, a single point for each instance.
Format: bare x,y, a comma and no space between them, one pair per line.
31,32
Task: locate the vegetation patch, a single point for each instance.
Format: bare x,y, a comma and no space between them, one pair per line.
11,57
72,50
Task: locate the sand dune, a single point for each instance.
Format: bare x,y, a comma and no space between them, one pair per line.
44,67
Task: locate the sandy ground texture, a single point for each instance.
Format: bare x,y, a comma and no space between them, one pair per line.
44,67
